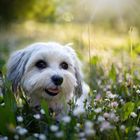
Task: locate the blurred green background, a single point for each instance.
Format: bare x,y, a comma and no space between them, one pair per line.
106,37
107,29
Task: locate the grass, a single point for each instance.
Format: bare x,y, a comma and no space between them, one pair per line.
113,109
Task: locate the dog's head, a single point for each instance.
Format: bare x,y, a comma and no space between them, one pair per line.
47,70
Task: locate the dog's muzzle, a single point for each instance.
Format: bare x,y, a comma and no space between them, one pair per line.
57,81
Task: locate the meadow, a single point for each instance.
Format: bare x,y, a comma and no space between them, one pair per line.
111,65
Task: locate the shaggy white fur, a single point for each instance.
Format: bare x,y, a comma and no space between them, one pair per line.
48,71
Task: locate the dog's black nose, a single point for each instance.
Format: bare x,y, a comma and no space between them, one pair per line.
57,80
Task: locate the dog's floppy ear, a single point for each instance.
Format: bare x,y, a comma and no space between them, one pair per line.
16,66
78,71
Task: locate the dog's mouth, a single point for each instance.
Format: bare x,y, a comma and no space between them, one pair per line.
52,91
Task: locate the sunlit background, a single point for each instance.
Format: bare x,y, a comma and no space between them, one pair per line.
105,28
106,37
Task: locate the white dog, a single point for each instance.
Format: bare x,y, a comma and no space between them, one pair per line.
48,71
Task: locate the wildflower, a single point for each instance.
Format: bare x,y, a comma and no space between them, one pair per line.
78,111
122,102
36,135
108,87
42,111
3,104
37,116
21,131
78,125
128,76
106,115
94,91
101,119
98,110
139,108
138,134
89,128
89,132
110,95
104,89
133,115
88,124
54,128
122,127
19,118
4,138
42,137
90,107
137,128
120,81
99,82
114,104
98,97
16,137
138,91
134,86
105,126
59,134
107,100
66,119
113,117
81,134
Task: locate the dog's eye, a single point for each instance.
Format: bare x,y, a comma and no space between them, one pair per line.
64,65
41,64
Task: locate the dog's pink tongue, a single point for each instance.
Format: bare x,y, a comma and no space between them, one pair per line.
53,90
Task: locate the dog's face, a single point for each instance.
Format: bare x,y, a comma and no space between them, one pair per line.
45,70
50,71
